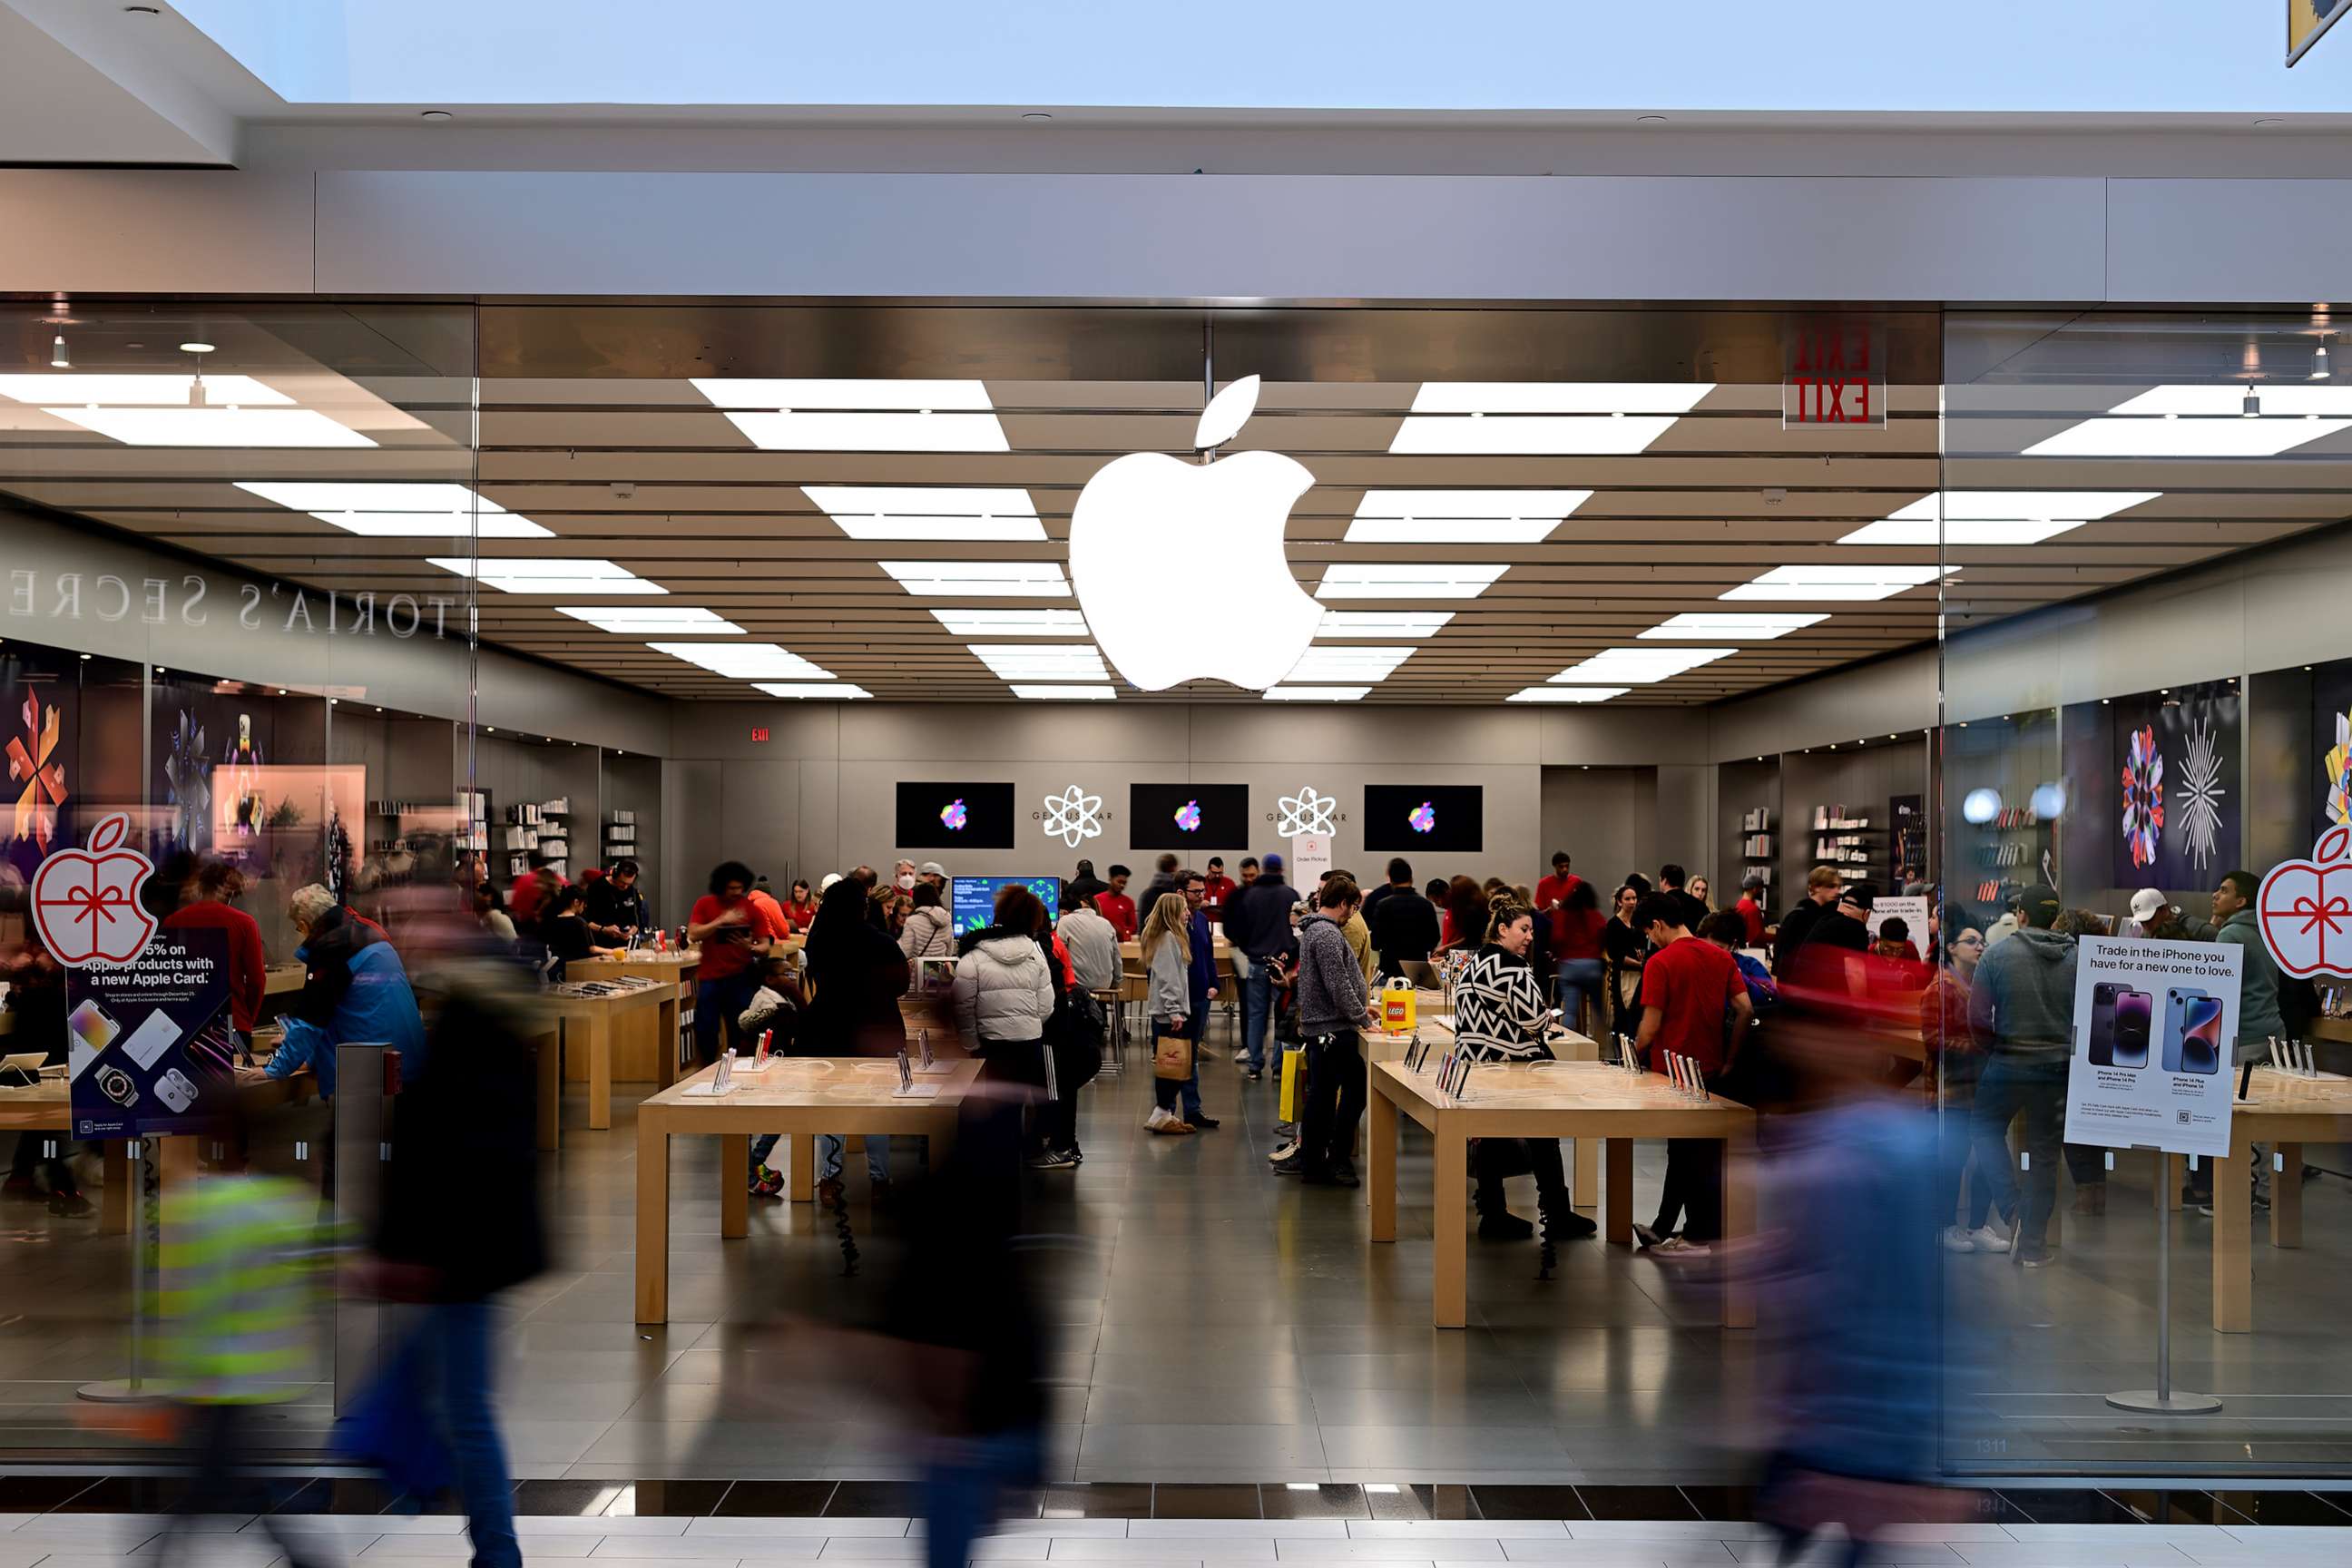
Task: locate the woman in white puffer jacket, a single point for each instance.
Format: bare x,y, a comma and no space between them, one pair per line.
1003,989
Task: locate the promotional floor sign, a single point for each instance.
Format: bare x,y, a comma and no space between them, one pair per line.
2154,1026
1911,909
1311,857
146,1024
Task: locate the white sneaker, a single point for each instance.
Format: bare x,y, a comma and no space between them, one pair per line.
1996,1225
1958,1238
1159,1118
1987,1239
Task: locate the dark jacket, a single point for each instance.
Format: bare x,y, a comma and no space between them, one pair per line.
1795,926
1836,929
1405,928
1257,919
1149,896
857,975
1331,997
1203,978
608,906
2259,1017
2022,1005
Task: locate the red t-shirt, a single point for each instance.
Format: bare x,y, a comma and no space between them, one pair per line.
725,957
246,978
1576,934
1215,892
1748,911
1554,890
1119,909
801,914
1691,982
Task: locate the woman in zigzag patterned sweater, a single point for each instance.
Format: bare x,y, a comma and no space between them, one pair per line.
1500,1016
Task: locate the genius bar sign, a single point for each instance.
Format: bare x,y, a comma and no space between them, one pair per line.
1832,379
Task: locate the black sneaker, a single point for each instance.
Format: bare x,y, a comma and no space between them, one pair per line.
1258,1075
1504,1226
1205,1123
1645,1237
1343,1175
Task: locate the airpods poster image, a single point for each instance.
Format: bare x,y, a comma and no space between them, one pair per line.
2155,1023
149,1040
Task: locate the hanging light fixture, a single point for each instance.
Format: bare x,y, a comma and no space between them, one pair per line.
2252,408
58,358
2319,369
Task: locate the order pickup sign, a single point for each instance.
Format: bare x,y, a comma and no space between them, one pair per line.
2155,1028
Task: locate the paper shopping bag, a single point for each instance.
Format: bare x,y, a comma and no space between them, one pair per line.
1172,1057
1293,1066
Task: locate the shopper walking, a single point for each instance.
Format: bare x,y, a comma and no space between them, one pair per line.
1750,908
1258,924
1092,945
1168,961
1578,926
1499,1016
2021,1011
1954,1063
929,931
735,930
1694,1005
1334,1006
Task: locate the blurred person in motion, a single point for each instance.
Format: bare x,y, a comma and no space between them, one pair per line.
242,1263
735,929
37,1001
2022,1012
1463,928
1578,930
1851,1311
855,975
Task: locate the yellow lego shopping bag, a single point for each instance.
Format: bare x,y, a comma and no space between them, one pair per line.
1293,1068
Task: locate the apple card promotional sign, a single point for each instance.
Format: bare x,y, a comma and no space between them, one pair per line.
143,1024
2154,1026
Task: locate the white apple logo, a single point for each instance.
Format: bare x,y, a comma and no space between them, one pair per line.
1150,532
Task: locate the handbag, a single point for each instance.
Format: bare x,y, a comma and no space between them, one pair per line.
1172,1057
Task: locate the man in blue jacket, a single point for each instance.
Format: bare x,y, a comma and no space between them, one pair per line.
355,991
1257,923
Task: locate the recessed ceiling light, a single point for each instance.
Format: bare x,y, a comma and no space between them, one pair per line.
1316,693
1384,580
2207,421
209,426
1029,693
1733,626
1638,666
980,578
744,661
652,620
1543,418
1011,623
1042,661
854,416
1382,623
1461,517
1566,693
896,511
1834,583
835,690
135,391
1995,517
1347,663
387,510
548,574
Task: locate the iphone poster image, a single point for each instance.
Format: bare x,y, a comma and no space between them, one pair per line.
135,1068
2155,1024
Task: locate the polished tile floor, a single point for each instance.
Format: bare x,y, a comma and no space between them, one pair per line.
1216,1324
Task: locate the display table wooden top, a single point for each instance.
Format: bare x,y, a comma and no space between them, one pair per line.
799,1097
2281,1112
678,965
1554,1100
585,1023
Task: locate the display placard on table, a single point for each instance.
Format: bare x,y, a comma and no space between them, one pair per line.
2155,1027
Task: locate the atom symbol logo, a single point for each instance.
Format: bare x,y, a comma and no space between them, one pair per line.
1306,812
1071,817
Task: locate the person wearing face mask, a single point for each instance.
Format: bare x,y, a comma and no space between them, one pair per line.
1954,1064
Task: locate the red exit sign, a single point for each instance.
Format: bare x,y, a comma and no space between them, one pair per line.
1831,380
758,731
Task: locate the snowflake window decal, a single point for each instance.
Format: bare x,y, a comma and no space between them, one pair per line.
2142,790
1306,812
1073,816
2201,793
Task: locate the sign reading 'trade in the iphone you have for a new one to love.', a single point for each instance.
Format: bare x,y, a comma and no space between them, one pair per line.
2155,1024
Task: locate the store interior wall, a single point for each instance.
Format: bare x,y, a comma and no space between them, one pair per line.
1605,818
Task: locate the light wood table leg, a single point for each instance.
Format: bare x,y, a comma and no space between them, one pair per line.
1617,1219
1584,1183
2175,1176
666,1040
2286,1197
1739,1228
600,1070
800,1170
653,1222
1381,1163
114,1204
550,1047
734,1184
1450,1293
2233,1249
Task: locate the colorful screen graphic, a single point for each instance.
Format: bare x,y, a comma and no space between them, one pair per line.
1445,817
955,814
972,900
1194,819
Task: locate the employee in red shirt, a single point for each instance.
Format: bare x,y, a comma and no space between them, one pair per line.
734,928
1116,906
1751,909
1552,891
211,905
1216,888
1693,1005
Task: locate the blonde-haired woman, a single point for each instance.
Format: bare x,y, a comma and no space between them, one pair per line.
1167,941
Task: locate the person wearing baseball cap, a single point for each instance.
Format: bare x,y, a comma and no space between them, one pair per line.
2021,1011
934,873
2145,904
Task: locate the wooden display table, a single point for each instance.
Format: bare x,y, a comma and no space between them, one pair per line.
281,978
797,1096
637,1042
2282,1113
586,1024
1434,1024
1562,1099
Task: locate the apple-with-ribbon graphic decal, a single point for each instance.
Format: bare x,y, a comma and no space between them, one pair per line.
86,901
1146,524
2304,908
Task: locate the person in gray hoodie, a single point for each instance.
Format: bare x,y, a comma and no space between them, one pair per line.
1333,1009
2021,1011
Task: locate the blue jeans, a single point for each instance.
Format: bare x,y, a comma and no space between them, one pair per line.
964,1486
717,1005
456,1386
1578,981
1257,1012
831,1147
1165,1092
2036,1092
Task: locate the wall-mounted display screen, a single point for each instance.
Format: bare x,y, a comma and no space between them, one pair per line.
2155,774
1179,815
1449,818
955,814
972,900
